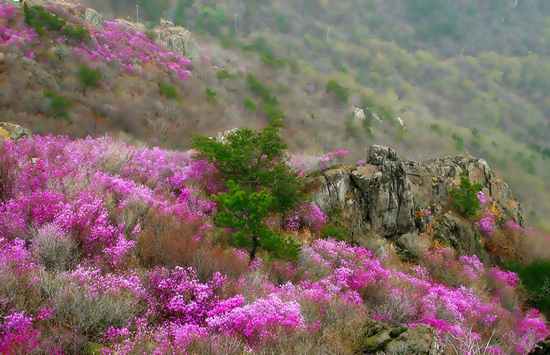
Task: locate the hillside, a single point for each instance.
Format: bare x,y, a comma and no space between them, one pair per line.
486,103
463,76
125,228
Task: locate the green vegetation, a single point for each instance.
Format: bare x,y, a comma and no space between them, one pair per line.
273,114
341,92
335,232
152,9
151,35
250,104
211,19
59,103
170,91
210,95
89,77
245,214
465,197
267,184
536,279
42,21
263,91
224,74
256,161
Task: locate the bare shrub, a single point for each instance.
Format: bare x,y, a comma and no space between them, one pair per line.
90,311
164,240
7,173
416,244
53,248
210,259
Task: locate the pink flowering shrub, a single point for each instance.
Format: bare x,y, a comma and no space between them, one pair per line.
264,320
331,159
306,216
486,224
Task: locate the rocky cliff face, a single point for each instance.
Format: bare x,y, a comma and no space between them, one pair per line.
177,39
397,198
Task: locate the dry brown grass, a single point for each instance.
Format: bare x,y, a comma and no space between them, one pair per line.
166,241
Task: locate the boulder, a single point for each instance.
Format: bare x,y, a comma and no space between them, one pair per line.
93,18
381,338
177,39
13,132
384,184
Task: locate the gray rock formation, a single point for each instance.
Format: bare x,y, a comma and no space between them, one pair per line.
541,348
383,339
389,197
387,189
93,18
177,39
13,132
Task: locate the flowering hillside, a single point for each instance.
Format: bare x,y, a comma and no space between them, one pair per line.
108,248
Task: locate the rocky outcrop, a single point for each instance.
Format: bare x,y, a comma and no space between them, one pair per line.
13,132
177,39
93,18
384,183
392,197
541,348
383,339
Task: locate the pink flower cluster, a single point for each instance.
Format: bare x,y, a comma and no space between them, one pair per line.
117,44
331,159
487,224
306,216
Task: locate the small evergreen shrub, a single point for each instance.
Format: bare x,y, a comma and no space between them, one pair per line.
250,104
536,279
42,21
465,197
341,92
256,160
245,214
59,103
210,95
169,90
335,232
89,77
224,74
273,113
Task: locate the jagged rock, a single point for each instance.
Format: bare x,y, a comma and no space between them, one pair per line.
387,189
389,197
377,154
135,25
336,185
13,132
177,39
93,18
541,348
383,339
